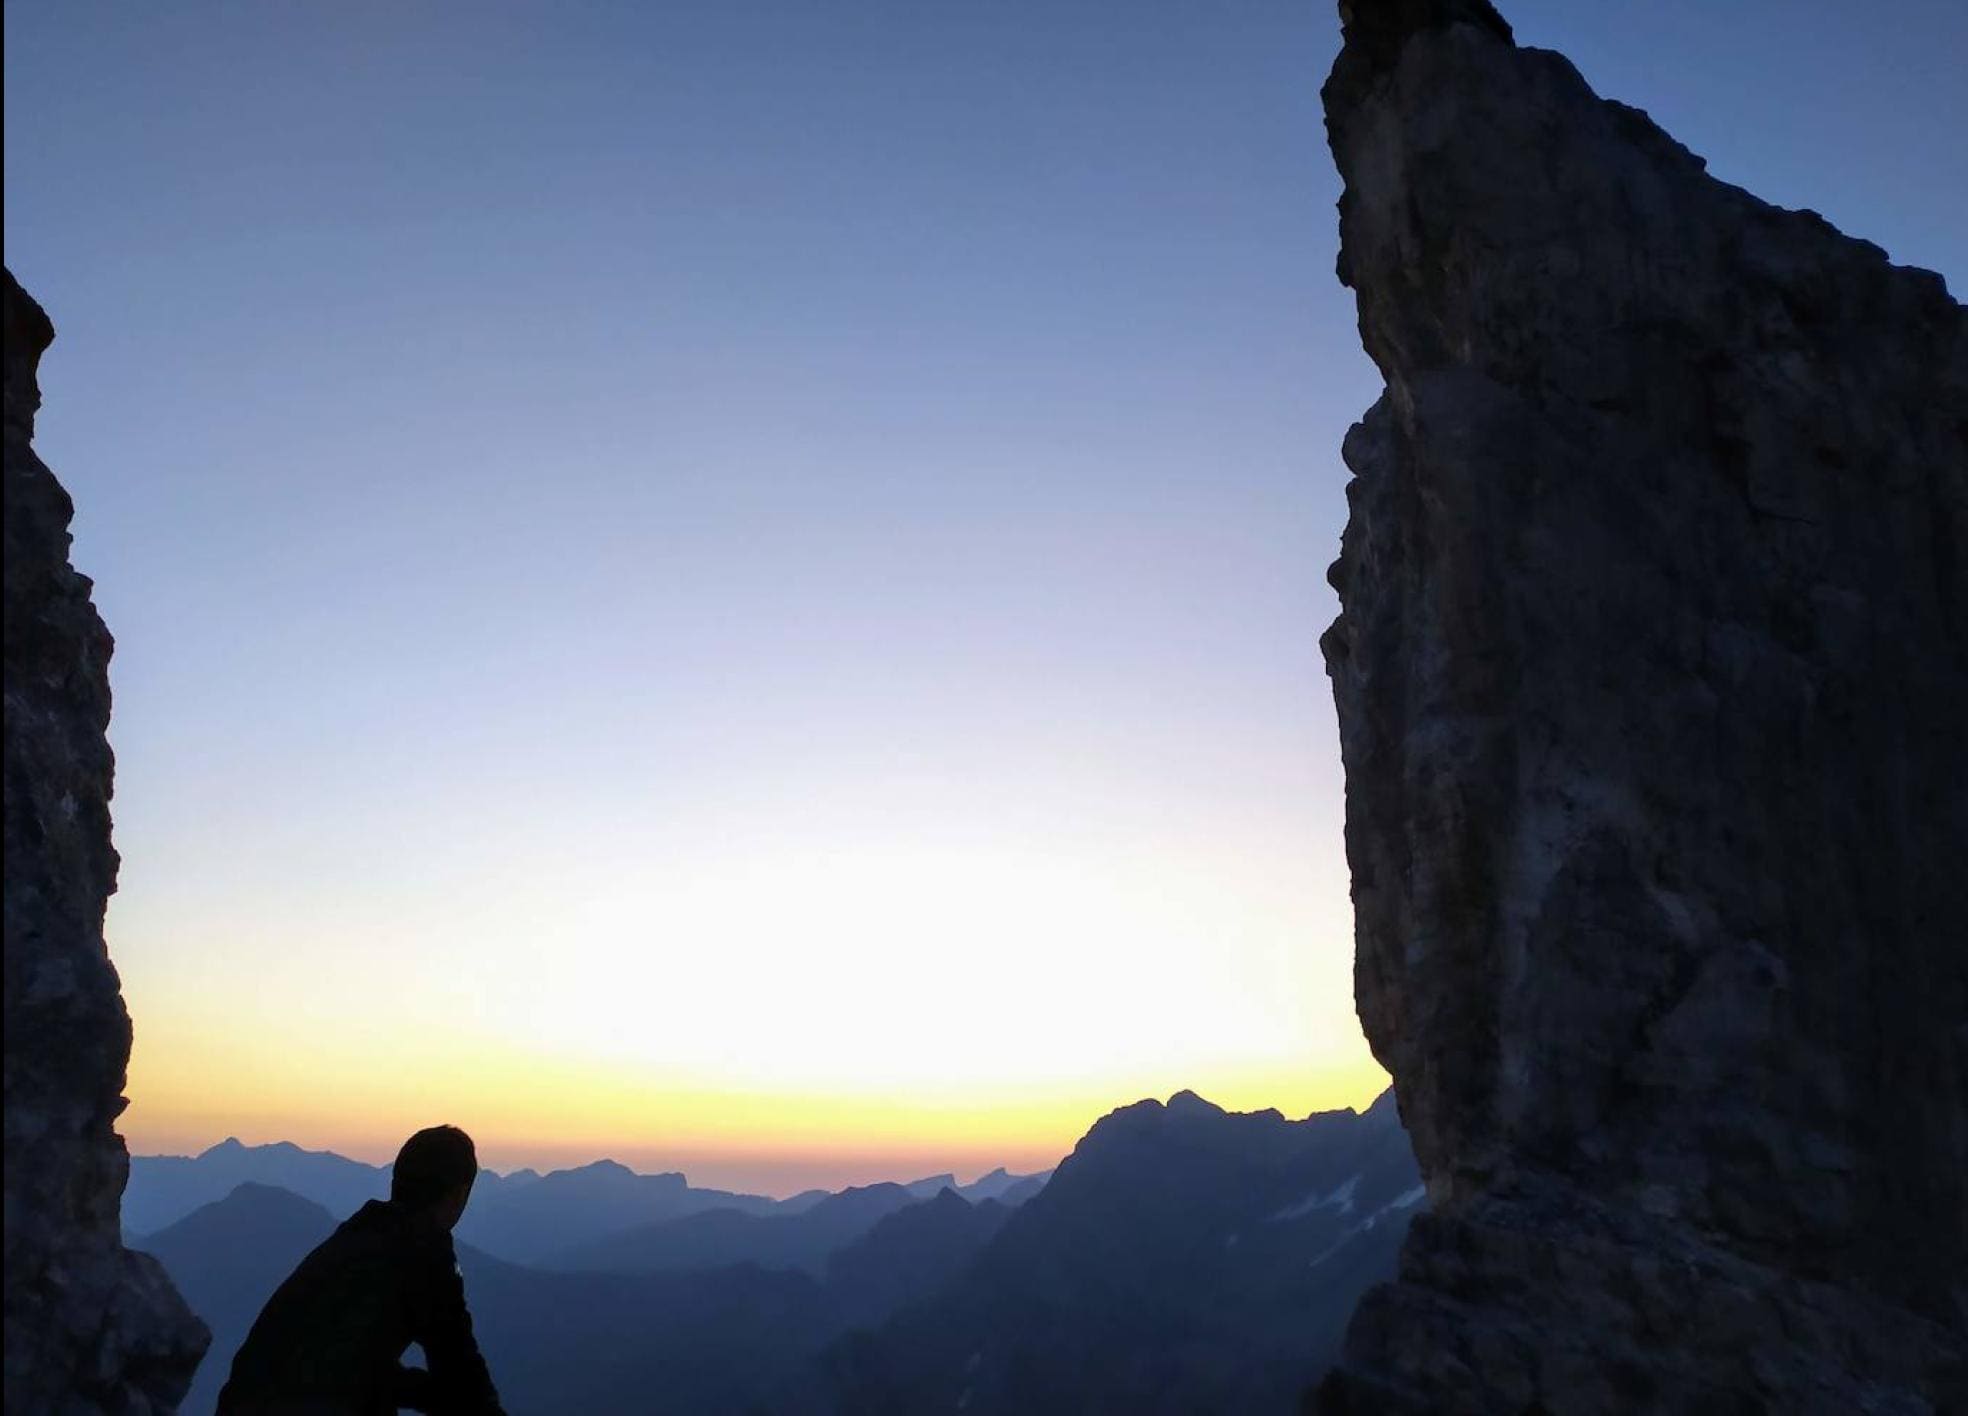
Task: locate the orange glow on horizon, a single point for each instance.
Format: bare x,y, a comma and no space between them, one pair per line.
190,1090
753,1008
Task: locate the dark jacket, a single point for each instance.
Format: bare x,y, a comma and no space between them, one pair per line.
331,1339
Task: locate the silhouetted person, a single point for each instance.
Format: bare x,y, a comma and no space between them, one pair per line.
330,1341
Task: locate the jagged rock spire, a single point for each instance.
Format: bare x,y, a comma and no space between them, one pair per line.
1649,671
90,1326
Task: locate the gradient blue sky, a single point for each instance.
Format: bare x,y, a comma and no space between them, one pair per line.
739,583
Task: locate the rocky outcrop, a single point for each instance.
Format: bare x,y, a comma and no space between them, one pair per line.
1652,679
90,1327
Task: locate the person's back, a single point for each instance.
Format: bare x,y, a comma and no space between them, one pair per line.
331,1339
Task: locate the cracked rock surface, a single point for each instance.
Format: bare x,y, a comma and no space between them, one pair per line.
90,1327
1652,680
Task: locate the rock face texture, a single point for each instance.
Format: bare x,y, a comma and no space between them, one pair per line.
1652,679
89,1326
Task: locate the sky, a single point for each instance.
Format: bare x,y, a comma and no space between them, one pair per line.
736,584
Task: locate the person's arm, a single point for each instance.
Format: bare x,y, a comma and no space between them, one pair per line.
459,1384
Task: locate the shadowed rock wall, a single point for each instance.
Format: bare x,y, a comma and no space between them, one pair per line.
1652,679
89,1326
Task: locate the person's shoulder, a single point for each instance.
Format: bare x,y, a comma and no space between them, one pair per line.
374,1214
381,1223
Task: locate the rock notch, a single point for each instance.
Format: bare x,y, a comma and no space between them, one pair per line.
90,1326
1652,679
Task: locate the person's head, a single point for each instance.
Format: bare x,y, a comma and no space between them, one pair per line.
434,1172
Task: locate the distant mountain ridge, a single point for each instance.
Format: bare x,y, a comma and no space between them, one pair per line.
713,1342
526,1222
909,1254
730,1337
523,1217
165,1188
710,1238
1183,1259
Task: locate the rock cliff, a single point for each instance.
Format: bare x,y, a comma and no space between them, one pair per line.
1652,679
90,1326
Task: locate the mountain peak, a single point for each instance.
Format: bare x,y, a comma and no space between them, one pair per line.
259,1193
615,1172
1187,1103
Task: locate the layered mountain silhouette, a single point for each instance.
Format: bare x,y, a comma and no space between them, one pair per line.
1182,1259
801,1240
1008,1189
526,1220
163,1189
523,1217
717,1341
910,1254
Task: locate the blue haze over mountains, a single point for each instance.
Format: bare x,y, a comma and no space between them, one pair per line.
1183,1258
523,1217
